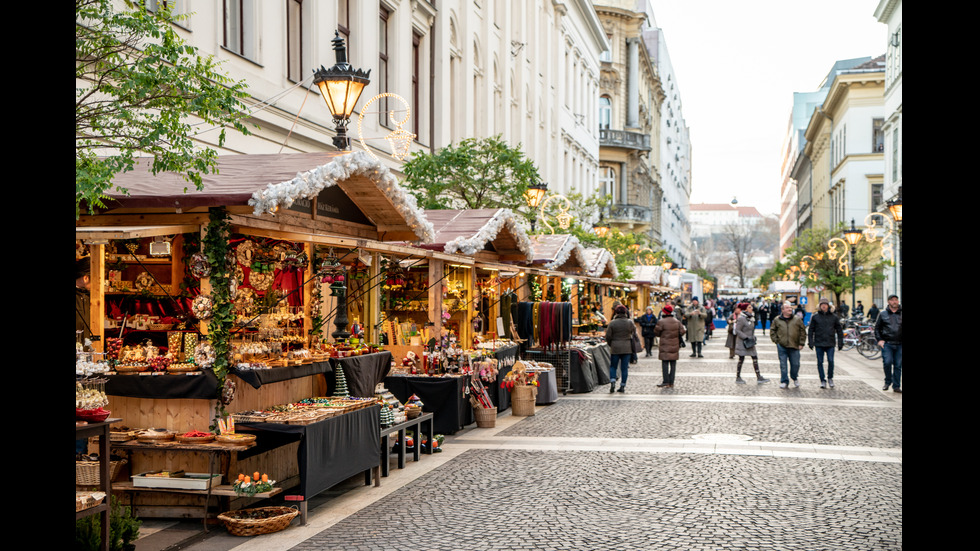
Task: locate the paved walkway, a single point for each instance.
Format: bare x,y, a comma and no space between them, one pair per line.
706,465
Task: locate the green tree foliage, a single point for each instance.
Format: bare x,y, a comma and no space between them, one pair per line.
471,174
138,88
823,270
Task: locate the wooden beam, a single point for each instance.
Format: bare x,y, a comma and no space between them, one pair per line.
97,297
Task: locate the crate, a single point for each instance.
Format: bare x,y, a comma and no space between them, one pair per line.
190,481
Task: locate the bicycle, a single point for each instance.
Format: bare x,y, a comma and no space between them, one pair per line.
868,347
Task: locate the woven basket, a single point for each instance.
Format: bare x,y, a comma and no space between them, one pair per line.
87,472
486,417
237,526
522,400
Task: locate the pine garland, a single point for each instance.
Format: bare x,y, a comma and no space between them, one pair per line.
216,250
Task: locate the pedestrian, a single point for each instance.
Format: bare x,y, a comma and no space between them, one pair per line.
730,341
873,313
619,335
695,316
843,308
789,334
745,342
670,330
647,322
859,310
888,331
825,332
763,315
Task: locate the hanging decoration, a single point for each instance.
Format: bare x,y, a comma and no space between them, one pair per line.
399,139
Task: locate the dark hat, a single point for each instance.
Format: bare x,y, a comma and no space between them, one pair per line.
83,267
620,309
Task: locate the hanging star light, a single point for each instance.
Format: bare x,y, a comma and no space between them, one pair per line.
400,140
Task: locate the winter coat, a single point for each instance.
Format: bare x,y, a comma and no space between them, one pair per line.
873,314
670,330
888,328
619,335
824,330
730,341
695,315
647,323
744,328
788,333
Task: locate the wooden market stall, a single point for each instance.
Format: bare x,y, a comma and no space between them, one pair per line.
283,215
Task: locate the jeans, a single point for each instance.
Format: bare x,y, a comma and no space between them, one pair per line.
829,351
793,355
891,357
618,359
670,369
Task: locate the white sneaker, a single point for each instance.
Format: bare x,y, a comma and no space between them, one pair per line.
823,384
796,383
830,382
783,385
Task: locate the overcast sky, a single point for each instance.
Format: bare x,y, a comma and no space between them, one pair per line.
737,65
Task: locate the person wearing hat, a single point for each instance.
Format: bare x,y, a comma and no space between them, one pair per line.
619,335
745,342
647,322
695,315
824,333
888,332
670,330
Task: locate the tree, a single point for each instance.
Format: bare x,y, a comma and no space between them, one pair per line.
138,88
821,269
739,239
472,174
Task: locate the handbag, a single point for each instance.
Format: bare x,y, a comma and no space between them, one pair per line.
749,342
637,345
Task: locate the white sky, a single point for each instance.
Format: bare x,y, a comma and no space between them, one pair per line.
737,64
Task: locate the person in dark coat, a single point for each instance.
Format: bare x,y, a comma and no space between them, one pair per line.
647,322
873,313
763,315
730,341
619,335
744,329
670,330
824,333
888,332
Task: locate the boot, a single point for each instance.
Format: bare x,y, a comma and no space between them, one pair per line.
760,379
738,371
612,386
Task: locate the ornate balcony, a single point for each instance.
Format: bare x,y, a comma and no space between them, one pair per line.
629,214
624,139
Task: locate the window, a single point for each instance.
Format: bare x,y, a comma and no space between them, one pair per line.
294,40
383,65
416,77
239,27
605,113
607,182
876,195
878,135
343,23
895,155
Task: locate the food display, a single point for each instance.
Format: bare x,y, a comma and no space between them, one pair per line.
155,435
195,437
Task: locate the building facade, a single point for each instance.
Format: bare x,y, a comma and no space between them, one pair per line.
889,12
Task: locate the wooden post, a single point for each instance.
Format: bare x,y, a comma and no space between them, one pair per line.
372,307
436,269
466,328
97,297
308,272
205,283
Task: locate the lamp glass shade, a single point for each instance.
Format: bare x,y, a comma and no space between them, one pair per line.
853,236
895,207
600,230
534,194
341,95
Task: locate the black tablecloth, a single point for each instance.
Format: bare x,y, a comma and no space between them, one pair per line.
442,396
363,373
258,377
506,358
589,368
547,388
201,386
330,451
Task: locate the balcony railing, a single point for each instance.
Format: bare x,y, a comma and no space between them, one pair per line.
634,214
623,138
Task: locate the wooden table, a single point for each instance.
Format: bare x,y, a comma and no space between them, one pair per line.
400,429
102,431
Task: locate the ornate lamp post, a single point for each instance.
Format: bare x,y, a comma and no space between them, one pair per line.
341,86
533,196
853,237
600,228
895,208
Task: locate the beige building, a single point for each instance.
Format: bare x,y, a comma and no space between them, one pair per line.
630,99
526,70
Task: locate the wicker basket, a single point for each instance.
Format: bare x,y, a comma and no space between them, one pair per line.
522,400
237,526
486,418
87,472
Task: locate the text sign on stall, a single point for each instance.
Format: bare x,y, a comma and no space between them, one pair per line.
332,202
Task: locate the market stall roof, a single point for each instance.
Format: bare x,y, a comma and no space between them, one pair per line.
559,252
99,234
600,263
353,189
472,231
649,275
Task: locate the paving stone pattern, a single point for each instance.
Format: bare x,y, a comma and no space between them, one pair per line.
580,500
646,383
789,423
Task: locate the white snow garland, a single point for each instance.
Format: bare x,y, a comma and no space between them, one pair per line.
473,244
309,184
570,245
603,259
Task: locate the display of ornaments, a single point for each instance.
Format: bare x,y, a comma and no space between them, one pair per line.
228,392
202,307
90,395
143,281
86,367
199,266
244,252
233,288
239,274
204,354
259,280
245,301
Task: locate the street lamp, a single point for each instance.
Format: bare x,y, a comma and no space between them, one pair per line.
853,237
600,228
533,196
895,207
341,86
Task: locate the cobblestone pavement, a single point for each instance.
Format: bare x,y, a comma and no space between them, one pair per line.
707,465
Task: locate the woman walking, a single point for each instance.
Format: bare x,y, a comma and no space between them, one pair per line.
670,330
745,343
619,335
647,322
730,341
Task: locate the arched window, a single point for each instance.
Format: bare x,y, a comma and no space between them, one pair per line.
605,113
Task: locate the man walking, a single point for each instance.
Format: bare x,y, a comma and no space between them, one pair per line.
695,316
789,334
888,332
824,332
